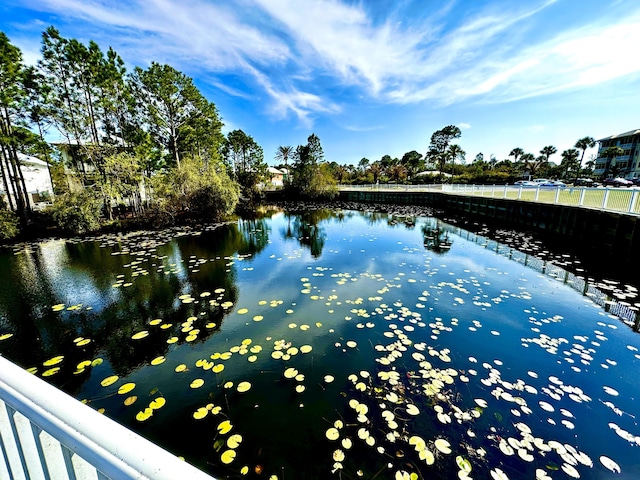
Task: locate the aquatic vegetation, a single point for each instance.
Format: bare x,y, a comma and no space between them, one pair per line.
379,355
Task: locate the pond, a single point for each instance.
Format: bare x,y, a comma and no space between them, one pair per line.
330,344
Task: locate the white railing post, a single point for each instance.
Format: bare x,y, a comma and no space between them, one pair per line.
493,190
48,434
632,201
537,193
504,192
605,198
520,192
557,195
582,194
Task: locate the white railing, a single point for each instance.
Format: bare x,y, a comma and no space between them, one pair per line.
621,200
46,434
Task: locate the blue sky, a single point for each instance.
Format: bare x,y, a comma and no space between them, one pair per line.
378,77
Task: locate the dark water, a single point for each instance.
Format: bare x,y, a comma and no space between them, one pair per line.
429,332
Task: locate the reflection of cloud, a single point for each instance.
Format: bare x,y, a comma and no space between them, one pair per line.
298,52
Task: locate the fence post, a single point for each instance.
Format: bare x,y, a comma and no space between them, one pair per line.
605,198
537,192
555,201
582,193
504,193
520,192
632,201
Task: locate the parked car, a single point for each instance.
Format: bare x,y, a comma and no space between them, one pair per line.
585,182
541,180
552,184
525,183
617,182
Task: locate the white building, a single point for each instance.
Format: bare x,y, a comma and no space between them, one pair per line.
277,177
37,179
628,164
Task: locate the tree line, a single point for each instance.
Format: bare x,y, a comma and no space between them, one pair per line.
125,135
149,140
447,161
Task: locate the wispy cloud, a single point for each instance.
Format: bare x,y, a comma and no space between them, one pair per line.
464,126
301,53
357,128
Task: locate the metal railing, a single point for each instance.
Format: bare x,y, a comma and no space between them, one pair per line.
46,434
621,200
626,313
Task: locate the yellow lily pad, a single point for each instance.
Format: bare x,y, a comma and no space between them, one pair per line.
126,388
234,440
224,427
200,413
197,383
144,415
109,380
51,371
158,360
53,361
140,335
157,403
228,456
244,387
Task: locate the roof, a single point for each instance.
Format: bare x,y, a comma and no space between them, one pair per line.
433,172
30,160
625,134
274,170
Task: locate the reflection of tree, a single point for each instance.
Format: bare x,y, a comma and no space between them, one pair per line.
374,217
156,267
436,238
304,227
408,221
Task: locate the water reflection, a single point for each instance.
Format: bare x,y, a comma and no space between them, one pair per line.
436,237
150,273
306,228
483,356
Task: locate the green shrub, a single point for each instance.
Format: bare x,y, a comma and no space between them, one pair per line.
197,190
76,212
8,223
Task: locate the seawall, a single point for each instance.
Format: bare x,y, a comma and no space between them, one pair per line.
609,236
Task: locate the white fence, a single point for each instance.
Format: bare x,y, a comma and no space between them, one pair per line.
46,434
621,200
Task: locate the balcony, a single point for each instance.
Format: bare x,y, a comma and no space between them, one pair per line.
46,434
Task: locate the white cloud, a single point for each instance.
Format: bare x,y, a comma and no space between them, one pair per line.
296,52
464,126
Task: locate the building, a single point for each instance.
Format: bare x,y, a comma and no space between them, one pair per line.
626,165
277,177
37,179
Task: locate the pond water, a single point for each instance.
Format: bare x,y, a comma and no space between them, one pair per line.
332,344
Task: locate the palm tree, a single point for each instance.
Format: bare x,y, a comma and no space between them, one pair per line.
516,153
283,154
454,152
569,160
376,170
583,144
530,163
610,153
547,151
397,172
